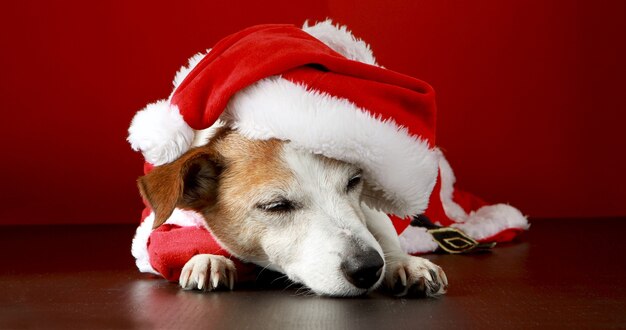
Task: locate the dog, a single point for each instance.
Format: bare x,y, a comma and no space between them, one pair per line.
289,210
299,153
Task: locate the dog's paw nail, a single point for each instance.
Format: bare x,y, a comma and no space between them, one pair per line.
432,275
402,276
231,274
184,279
201,281
433,288
444,279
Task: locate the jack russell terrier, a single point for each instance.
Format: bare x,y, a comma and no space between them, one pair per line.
289,210
289,148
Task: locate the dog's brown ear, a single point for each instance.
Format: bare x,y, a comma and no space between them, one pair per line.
190,182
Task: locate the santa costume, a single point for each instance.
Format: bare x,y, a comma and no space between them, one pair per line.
321,89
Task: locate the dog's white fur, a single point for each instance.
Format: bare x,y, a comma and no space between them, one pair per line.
309,244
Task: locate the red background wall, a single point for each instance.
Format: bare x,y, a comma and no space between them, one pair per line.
530,93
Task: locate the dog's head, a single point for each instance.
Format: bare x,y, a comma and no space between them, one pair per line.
272,204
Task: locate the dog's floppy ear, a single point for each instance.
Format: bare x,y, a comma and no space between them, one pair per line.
189,182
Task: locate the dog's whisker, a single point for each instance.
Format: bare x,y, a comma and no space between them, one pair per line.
268,264
278,278
303,292
290,285
302,289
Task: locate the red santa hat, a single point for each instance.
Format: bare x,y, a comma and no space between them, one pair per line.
278,81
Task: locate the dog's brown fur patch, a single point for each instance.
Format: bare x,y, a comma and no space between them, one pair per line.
220,180
249,168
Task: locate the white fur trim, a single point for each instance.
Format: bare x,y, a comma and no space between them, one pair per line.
453,210
341,40
186,218
160,133
185,69
492,219
486,221
417,240
139,247
402,166
202,137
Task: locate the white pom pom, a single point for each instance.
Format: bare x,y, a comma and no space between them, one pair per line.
160,133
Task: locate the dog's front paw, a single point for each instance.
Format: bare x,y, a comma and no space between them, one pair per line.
207,272
415,276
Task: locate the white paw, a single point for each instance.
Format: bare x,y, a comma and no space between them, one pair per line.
207,272
415,276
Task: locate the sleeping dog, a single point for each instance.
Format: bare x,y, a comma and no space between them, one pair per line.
289,210
288,148
291,146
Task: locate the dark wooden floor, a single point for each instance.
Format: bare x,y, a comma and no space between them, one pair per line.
562,274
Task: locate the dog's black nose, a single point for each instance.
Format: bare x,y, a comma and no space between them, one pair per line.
363,269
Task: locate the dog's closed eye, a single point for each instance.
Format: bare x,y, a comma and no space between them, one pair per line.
278,206
354,181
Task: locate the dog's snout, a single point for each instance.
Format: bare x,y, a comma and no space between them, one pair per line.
364,269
